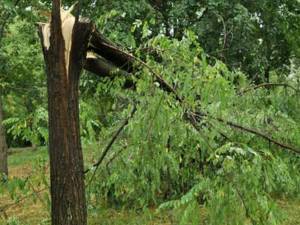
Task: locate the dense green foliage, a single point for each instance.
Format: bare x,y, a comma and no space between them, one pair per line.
213,52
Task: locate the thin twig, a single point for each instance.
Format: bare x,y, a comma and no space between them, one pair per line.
109,145
115,156
255,132
259,133
220,132
153,118
267,85
247,213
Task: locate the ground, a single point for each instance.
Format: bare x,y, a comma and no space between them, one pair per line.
31,211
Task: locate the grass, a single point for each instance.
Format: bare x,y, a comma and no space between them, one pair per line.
25,156
31,211
291,209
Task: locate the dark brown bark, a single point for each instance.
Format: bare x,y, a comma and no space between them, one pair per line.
3,145
66,160
118,58
103,68
100,45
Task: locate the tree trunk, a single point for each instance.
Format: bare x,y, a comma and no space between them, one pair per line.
65,43
3,145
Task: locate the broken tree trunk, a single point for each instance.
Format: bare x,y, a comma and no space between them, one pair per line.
3,145
65,41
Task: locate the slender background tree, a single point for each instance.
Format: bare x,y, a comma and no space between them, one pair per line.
3,145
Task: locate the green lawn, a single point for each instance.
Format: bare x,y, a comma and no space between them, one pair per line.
22,157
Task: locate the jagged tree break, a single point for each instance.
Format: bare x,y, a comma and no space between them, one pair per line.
69,44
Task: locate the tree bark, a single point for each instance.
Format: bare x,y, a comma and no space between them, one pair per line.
68,203
109,51
3,145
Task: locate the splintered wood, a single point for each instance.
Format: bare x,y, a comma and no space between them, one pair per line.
67,25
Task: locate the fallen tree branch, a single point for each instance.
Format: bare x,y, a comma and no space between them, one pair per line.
113,52
109,145
229,123
267,85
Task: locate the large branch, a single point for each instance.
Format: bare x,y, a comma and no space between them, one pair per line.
120,58
103,47
103,68
124,60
